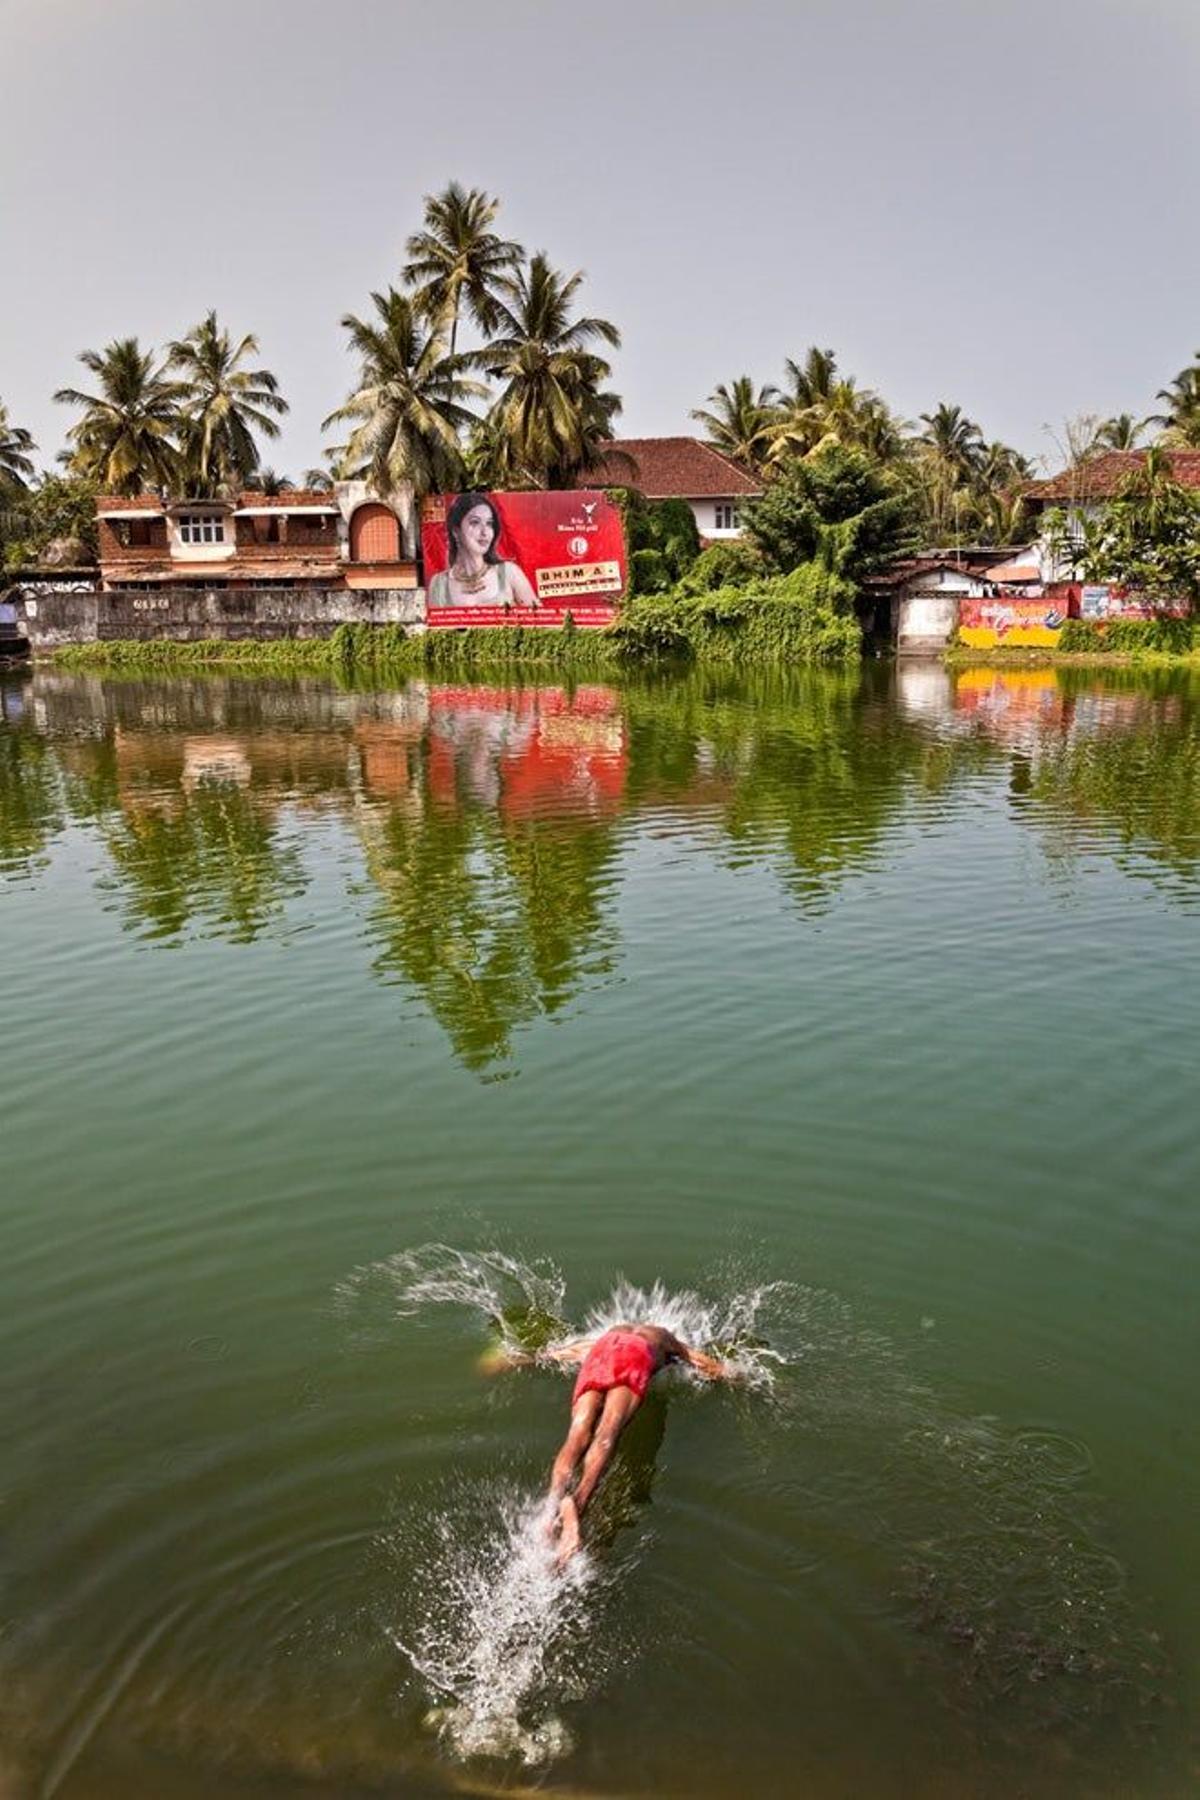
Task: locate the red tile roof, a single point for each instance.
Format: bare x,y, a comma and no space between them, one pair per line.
1104,475
674,468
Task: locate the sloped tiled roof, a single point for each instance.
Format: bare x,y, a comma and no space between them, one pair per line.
1105,475
673,468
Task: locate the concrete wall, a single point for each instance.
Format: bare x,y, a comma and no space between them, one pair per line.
184,614
926,624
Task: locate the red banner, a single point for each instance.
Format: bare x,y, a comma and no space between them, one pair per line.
522,559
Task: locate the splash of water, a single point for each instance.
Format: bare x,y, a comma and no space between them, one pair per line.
525,1305
496,1627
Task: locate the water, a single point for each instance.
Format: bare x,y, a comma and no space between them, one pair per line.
845,1024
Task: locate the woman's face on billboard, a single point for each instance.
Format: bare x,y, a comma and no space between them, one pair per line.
477,530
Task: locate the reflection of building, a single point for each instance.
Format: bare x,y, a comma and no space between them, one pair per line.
681,468
347,538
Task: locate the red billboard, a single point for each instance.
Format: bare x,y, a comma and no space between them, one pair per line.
522,559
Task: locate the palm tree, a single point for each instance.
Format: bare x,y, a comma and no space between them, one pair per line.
1181,420
126,438
266,481
225,405
821,407
552,415
317,481
16,464
458,258
954,440
740,424
948,458
408,411
1121,432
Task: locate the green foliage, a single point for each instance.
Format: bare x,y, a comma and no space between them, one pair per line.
1148,539
56,507
806,616
1172,637
649,572
676,533
836,507
723,565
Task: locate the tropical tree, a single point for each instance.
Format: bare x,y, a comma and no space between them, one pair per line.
949,457
16,464
835,507
1121,432
126,439
819,407
408,413
225,404
317,481
458,259
740,423
1181,419
266,481
552,415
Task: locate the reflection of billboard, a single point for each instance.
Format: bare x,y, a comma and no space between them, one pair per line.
522,559
523,750
1033,624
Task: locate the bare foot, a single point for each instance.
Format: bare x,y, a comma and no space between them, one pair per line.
568,1531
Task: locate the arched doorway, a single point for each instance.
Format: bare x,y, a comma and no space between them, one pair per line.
374,534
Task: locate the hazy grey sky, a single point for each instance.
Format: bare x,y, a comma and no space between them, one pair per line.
993,204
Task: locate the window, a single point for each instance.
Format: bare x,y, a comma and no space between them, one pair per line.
201,528
727,516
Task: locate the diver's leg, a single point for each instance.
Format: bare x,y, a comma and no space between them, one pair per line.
584,1414
620,1404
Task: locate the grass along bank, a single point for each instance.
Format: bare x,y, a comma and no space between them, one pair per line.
803,617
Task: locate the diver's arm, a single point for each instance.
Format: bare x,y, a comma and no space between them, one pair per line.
711,1367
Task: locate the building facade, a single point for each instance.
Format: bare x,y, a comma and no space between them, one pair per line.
302,539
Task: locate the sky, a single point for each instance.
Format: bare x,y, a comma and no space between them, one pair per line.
990,205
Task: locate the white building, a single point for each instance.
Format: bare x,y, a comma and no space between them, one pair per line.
682,468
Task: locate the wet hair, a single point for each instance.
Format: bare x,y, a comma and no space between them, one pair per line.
458,511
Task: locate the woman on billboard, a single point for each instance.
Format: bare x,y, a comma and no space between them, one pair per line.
475,575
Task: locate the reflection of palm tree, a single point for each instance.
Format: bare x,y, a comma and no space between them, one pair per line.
208,859
408,410
31,809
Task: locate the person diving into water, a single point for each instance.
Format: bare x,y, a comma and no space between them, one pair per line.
615,1369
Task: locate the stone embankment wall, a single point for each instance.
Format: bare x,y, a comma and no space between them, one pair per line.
183,615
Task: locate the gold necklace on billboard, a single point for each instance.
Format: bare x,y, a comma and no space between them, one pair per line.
471,584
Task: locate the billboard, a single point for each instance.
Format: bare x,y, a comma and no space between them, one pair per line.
522,559
985,624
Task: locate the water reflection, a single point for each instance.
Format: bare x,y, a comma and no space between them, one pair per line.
491,821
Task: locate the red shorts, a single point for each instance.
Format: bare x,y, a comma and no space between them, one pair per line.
618,1359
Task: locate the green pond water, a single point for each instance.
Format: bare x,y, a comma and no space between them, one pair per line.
848,1022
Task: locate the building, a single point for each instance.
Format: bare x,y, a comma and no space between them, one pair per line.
302,539
681,468
1083,491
